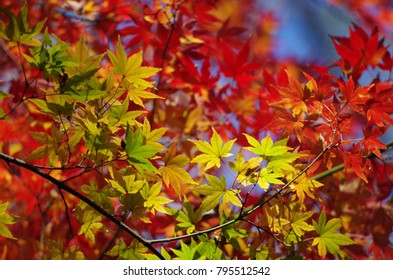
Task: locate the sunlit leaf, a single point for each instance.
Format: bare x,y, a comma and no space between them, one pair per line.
328,239
212,152
5,219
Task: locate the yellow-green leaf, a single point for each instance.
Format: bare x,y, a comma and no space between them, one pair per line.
153,201
298,221
188,217
329,239
91,221
6,219
215,192
131,68
212,152
173,173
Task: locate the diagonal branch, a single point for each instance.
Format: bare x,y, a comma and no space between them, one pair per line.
149,243
282,191
250,210
65,187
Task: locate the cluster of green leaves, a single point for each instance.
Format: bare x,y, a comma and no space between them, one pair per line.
18,30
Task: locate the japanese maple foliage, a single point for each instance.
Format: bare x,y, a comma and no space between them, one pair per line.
167,129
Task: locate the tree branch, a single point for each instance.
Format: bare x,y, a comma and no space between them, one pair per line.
149,243
341,166
65,187
248,211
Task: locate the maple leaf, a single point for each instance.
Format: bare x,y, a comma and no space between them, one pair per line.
245,169
6,219
380,113
298,221
266,177
186,252
173,173
293,95
266,148
355,162
18,29
99,196
85,62
56,251
153,201
276,154
138,152
356,96
329,239
188,217
214,152
119,115
305,186
52,148
208,250
359,50
127,184
153,136
372,143
131,67
135,251
217,191
90,222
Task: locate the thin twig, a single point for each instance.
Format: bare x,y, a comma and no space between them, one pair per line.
163,59
66,212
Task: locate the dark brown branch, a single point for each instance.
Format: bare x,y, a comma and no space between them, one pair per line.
65,187
248,211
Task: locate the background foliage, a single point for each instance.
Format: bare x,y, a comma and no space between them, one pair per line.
168,129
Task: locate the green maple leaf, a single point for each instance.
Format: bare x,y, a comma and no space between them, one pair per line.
18,29
329,239
153,136
153,201
265,178
138,152
207,248
6,219
298,221
266,148
276,154
86,62
134,251
216,191
188,217
212,152
186,252
119,115
283,162
90,222
99,196
131,67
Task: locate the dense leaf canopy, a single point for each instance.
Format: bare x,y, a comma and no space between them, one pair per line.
169,129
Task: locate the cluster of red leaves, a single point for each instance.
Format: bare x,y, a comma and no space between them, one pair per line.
217,70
